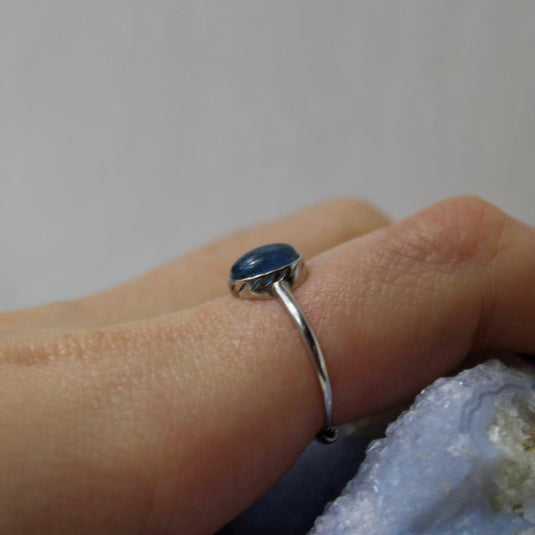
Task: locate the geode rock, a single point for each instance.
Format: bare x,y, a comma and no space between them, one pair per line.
461,460
318,477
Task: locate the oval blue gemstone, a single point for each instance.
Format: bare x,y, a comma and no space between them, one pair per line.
263,260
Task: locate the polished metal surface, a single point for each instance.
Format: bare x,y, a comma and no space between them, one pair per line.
282,289
278,283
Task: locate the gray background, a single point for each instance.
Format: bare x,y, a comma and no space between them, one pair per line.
131,131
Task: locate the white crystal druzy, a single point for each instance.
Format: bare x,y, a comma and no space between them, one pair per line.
460,461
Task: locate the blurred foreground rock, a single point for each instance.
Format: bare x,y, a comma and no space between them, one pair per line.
461,460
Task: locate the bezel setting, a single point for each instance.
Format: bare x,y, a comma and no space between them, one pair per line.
261,286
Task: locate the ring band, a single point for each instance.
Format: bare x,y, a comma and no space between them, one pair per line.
271,271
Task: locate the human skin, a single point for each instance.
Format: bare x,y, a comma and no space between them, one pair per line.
167,406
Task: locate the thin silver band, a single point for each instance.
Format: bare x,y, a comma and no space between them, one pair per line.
282,289
271,271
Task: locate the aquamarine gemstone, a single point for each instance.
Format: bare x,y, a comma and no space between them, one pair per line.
263,260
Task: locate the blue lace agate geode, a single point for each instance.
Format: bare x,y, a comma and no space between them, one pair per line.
460,461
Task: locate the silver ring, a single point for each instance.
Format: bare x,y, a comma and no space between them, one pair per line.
271,271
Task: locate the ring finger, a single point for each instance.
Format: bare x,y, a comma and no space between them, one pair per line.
200,275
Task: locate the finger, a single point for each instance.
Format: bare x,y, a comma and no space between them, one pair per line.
200,276
208,407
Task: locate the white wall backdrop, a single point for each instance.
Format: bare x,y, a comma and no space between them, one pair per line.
131,131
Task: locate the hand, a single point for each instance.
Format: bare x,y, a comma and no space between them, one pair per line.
167,406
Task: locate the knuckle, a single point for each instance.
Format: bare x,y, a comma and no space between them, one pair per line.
350,203
47,347
454,233
355,215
